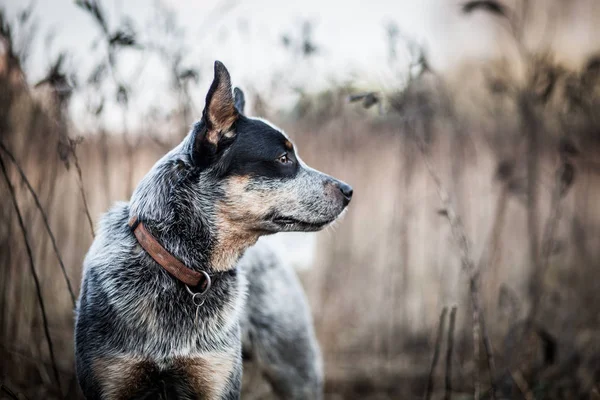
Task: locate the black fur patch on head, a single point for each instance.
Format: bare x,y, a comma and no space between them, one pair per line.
205,153
256,152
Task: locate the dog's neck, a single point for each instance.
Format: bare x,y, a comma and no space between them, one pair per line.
185,221
197,248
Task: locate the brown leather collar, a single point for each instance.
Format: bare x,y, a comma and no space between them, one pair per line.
173,266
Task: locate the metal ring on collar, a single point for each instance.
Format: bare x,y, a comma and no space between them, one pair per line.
203,292
197,299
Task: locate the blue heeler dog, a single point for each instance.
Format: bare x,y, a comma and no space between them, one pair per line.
162,311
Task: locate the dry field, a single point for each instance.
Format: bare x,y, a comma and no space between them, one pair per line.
520,165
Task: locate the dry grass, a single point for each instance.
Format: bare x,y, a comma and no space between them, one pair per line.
385,272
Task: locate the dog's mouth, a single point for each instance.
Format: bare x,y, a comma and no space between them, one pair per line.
293,224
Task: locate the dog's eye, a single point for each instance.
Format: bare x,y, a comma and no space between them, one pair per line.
284,159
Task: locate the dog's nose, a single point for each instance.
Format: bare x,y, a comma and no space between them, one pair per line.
346,191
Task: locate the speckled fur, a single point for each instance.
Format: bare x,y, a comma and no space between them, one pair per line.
277,327
138,334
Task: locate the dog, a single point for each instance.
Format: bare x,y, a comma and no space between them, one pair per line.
278,338
161,313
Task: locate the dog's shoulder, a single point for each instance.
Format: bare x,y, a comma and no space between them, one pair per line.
110,299
115,264
107,257
114,243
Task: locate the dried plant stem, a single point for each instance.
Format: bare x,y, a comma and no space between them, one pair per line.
9,393
105,157
530,129
44,218
449,350
548,237
489,260
469,266
436,353
476,356
532,212
82,192
33,272
522,385
491,257
489,351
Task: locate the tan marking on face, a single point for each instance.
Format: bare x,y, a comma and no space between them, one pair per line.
289,145
207,374
121,377
237,217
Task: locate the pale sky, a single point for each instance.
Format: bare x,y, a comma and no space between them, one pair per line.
246,36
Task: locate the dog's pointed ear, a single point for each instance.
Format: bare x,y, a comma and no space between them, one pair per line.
239,100
219,113
218,119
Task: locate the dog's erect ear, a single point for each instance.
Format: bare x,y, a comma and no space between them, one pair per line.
218,119
239,100
219,112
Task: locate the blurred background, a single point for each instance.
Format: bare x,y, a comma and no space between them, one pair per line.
467,265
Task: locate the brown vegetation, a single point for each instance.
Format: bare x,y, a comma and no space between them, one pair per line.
477,196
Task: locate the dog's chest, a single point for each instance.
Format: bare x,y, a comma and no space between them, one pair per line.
185,329
158,317
203,376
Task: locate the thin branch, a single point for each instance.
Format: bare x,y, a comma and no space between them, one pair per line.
491,258
469,266
449,350
518,378
491,255
81,189
44,217
436,353
489,351
10,393
564,178
476,356
33,272
530,127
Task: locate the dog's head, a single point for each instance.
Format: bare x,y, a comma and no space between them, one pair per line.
242,177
